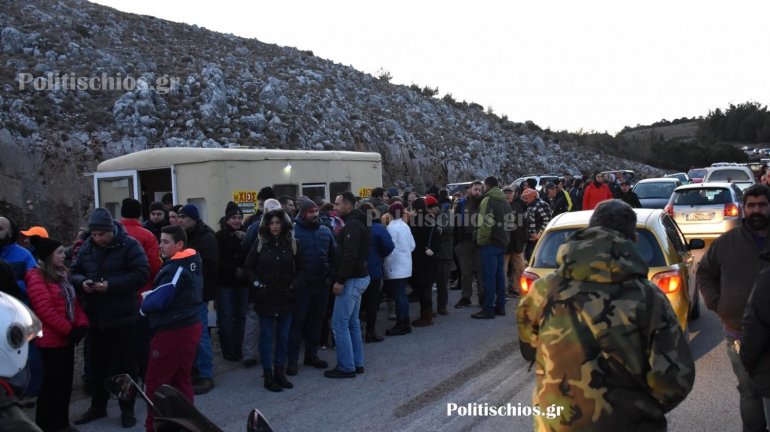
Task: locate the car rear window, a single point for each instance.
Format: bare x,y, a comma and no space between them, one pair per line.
696,173
654,190
648,246
702,196
725,174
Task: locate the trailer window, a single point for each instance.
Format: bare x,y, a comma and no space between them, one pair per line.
336,188
290,190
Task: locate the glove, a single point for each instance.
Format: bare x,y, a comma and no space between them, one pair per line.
76,335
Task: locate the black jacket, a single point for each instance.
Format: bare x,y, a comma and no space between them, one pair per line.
426,236
123,264
272,272
519,234
154,228
630,198
231,257
353,242
755,341
202,238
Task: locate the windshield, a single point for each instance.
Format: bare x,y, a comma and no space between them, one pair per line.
546,252
696,173
654,190
729,174
702,196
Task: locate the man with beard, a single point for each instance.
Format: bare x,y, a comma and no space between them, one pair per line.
726,276
595,192
467,253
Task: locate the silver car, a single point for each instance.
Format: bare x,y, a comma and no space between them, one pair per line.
706,210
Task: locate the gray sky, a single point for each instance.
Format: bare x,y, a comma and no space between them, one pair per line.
595,65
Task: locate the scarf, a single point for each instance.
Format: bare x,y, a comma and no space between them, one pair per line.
68,292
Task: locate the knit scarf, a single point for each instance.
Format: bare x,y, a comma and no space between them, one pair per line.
69,296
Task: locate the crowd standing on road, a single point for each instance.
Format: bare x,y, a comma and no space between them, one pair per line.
297,276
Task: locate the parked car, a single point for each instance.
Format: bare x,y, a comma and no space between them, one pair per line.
740,175
660,242
620,176
723,164
696,174
655,192
541,179
706,210
681,176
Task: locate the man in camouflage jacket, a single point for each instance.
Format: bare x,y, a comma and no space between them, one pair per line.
605,343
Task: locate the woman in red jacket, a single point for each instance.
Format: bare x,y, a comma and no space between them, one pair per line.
54,300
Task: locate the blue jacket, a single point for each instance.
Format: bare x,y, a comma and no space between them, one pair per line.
380,247
174,301
20,261
319,250
123,264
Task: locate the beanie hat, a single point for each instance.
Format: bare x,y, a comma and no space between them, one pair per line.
191,211
271,204
36,231
130,209
44,246
392,192
157,206
232,210
100,220
396,208
306,205
265,193
431,201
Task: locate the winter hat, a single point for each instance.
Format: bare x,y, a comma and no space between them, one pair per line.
191,211
265,193
392,192
232,210
306,205
100,220
44,246
396,208
130,209
529,192
271,204
36,231
157,206
431,201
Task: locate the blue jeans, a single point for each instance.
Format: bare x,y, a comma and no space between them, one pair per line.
346,326
492,262
309,313
204,360
273,330
398,291
231,319
751,406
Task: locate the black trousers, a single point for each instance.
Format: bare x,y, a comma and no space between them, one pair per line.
307,320
112,352
371,303
53,400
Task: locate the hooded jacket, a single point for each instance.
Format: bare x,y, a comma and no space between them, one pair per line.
273,270
398,264
593,195
203,239
605,342
353,242
21,261
177,293
380,246
491,227
123,264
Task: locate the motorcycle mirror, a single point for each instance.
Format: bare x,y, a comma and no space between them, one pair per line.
257,422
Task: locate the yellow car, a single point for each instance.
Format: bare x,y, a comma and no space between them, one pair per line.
660,242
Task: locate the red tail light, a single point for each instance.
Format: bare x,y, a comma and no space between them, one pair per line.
526,281
669,282
732,210
669,209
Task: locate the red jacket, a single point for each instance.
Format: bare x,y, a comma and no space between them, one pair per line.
593,195
150,245
48,303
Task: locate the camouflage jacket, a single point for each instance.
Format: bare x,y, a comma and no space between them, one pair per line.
605,342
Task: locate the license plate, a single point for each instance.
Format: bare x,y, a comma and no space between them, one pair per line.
699,216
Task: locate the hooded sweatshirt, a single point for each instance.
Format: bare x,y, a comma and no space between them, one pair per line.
491,223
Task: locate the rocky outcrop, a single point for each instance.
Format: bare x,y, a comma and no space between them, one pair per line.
81,83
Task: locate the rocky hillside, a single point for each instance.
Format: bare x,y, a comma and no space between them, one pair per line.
199,88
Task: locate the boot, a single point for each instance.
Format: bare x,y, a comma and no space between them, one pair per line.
270,383
281,380
426,319
127,418
401,328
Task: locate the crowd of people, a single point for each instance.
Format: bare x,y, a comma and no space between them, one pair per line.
295,276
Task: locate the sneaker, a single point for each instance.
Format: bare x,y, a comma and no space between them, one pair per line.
336,373
463,302
205,386
127,419
315,362
483,315
91,415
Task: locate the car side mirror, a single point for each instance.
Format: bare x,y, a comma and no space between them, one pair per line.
696,244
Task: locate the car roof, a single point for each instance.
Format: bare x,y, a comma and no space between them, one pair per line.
581,218
704,186
724,168
659,180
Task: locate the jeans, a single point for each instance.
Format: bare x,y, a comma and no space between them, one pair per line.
751,406
346,326
494,276
273,330
231,319
204,360
309,313
398,290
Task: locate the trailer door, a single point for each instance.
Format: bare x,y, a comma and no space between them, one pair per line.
111,188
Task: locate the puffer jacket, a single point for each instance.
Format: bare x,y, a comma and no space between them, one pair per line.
398,265
123,264
175,300
47,301
319,250
203,239
273,271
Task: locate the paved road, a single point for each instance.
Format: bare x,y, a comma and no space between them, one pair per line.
410,380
